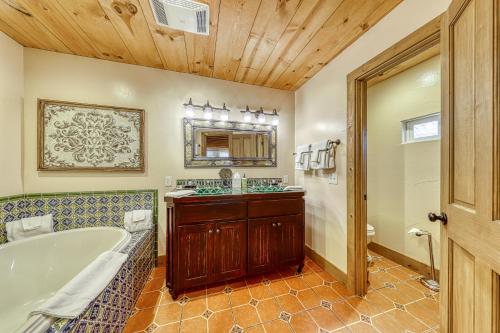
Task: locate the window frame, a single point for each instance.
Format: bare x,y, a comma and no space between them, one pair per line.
407,128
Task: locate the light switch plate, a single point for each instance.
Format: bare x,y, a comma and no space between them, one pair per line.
285,179
333,179
168,180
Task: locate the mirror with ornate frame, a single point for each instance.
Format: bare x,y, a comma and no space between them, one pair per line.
215,144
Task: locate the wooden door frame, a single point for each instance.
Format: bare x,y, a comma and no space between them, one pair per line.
413,45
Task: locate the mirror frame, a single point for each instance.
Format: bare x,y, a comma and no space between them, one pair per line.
190,125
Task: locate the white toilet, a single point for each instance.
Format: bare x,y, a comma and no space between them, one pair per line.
370,233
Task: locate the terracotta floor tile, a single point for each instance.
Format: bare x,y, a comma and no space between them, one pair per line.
140,320
216,289
154,284
303,323
246,316
254,280
325,318
401,273
237,284
240,297
290,303
313,280
167,314
200,292
296,283
287,272
194,325
220,322
389,262
193,308
277,326
260,292
148,300
309,298
402,293
379,279
272,276
279,287
170,328
268,310
345,312
166,298
218,302
362,327
397,321
327,294
327,276
341,289
372,304
427,310
315,267
255,329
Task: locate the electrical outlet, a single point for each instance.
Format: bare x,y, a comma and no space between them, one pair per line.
333,179
285,179
168,180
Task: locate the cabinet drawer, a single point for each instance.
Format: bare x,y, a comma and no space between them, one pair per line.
264,208
221,211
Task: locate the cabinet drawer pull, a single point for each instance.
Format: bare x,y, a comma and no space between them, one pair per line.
274,225
217,230
279,224
210,231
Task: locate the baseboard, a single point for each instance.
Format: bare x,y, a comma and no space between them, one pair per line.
326,265
403,260
162,261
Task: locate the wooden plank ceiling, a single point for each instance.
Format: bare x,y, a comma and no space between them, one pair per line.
273,43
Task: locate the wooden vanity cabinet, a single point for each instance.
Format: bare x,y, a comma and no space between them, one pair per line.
218,238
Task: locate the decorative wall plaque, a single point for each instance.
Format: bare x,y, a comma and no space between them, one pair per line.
75,136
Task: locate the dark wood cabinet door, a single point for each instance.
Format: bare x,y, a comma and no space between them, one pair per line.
230,250
290,233
195,254
261,244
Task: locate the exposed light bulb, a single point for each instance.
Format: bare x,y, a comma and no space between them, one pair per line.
189,111
261,119
224,115
276,119
247,116
207,111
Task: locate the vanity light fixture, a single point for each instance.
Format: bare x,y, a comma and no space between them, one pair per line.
189,107
261,116
275,118
247,115
207,109
224,113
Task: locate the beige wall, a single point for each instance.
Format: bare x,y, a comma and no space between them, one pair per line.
320,113
11,109
161,93
403,179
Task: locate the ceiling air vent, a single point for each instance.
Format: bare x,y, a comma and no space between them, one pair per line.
183,15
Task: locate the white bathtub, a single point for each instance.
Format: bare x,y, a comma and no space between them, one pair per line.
33,269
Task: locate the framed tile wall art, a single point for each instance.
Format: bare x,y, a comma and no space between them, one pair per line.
86,137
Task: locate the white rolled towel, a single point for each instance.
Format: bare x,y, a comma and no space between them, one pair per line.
293,188
180,193
29,227
138,225
74,297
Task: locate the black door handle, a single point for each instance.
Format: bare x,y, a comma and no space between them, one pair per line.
443,218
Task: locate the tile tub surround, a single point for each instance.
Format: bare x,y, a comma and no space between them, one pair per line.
285,302
111,309
72,210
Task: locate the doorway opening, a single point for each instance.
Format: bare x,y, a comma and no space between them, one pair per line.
417,48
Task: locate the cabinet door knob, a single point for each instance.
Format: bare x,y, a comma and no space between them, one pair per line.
217,230
210,231
279,224
274,225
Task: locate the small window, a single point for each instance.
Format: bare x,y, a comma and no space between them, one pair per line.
422,128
